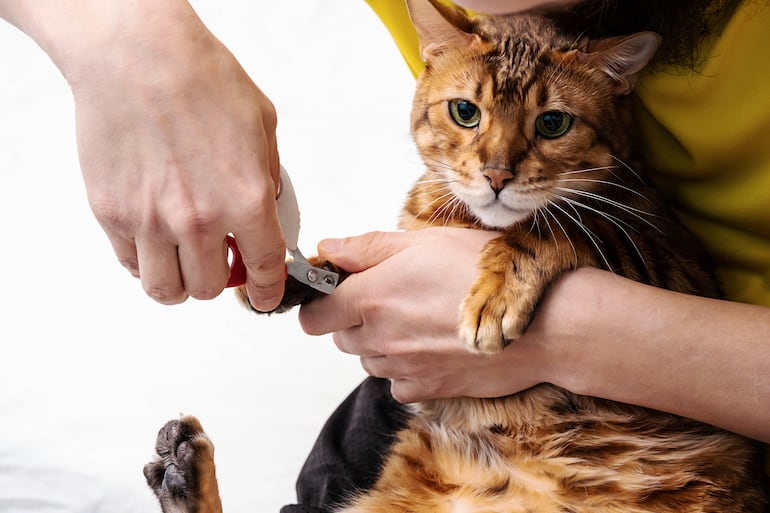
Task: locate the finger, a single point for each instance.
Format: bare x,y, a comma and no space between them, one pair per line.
203,266
260,239
407,391
264,256
125,250
272,155
339,311
378,367
402,388
159,271
355,254
354,341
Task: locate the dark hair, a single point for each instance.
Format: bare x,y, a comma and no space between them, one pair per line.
683,24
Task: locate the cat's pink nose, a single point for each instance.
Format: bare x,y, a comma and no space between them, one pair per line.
497,178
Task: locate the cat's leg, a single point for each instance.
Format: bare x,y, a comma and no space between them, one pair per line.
513,277
183,475
295,293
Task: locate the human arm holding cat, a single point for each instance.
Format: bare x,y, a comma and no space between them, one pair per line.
177,144
595,334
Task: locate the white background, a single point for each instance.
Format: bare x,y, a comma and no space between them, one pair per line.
90,367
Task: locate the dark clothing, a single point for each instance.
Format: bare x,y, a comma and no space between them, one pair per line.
349,452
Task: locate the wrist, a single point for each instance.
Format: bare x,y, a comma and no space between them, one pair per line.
564,325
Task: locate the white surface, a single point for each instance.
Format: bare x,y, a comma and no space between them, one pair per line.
90,367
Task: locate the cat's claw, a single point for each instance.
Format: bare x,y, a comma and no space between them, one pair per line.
495,313
182,474
490,323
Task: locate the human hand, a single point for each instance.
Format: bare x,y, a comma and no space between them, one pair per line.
177,146
595,333
399,312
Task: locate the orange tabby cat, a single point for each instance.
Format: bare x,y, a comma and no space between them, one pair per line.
524,130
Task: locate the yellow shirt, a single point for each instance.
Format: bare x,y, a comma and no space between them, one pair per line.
707,139
706,136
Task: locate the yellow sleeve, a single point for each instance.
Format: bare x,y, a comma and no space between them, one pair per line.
395,17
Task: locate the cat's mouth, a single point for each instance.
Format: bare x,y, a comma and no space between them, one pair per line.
497,210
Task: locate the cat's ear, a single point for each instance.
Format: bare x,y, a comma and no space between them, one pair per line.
622,58
440,27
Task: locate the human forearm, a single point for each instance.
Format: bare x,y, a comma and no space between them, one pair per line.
695,357
78,34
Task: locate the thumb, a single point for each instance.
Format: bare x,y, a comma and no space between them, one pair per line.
356,254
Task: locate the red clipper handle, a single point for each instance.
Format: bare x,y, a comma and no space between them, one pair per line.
237,268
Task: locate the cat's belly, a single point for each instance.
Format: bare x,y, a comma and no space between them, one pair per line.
547,450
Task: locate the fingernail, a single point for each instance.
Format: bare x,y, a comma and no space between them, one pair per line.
264,306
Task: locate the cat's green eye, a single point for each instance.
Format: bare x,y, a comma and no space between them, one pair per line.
553,124
464,113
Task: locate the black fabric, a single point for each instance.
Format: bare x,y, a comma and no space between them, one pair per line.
349,452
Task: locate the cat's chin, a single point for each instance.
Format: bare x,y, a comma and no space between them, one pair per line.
494,212
499,216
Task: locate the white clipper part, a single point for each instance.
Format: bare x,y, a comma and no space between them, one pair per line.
288,214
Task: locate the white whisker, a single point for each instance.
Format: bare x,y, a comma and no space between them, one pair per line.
614,220
548,225
535,225
439,165
431,203
450,207
564,231
595,240
607,182
587,170
638,213
433,181
620,161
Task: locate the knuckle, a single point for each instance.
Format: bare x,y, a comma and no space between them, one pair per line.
388,347
256,203
131,264
375,240
192,220
264,297
267,263
112,216
269,116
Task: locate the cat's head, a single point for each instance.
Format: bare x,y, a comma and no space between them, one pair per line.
514,115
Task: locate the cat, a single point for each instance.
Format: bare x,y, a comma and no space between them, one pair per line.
525,130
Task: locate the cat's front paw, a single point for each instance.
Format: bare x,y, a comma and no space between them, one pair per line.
501,303
491,316
182,474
